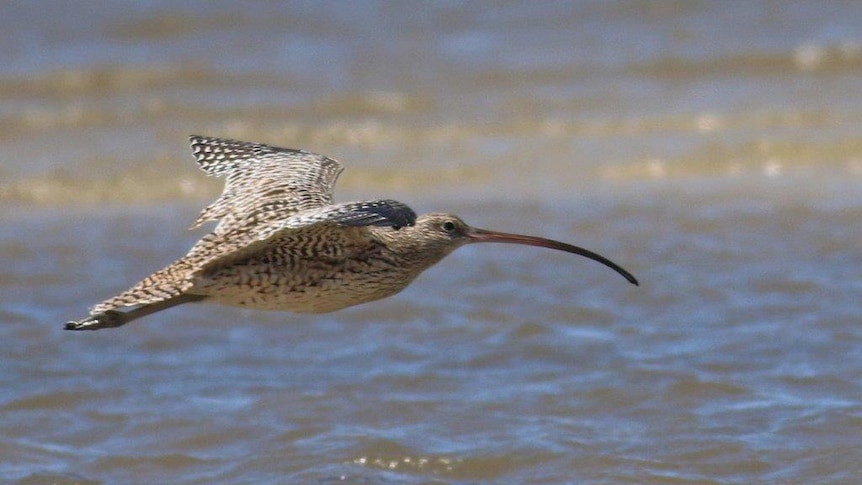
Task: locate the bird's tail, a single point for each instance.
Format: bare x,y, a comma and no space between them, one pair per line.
163,289
115,318
165,284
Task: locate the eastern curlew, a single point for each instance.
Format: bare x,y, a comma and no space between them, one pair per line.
282,244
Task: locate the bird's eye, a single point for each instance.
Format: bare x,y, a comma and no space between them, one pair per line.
448,226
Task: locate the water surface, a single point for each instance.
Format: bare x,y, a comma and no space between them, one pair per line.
712,149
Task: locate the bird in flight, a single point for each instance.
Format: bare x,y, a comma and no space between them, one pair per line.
282,244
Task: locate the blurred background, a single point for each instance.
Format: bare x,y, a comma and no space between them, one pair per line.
714,149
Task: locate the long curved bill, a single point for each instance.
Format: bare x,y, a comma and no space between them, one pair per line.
485,236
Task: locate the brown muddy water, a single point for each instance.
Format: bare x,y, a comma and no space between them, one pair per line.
714,149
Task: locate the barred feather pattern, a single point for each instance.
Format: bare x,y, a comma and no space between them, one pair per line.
162,285
262,178
276,216
309,270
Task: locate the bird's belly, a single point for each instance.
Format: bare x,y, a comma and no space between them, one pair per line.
305,287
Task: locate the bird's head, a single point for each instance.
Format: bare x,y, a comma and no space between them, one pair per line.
436,235
430,239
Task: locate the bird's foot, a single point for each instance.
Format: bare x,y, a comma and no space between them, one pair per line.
106,319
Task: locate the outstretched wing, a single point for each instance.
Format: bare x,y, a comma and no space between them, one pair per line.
331,221
262,181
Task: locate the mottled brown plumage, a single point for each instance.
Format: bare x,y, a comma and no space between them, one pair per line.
281,243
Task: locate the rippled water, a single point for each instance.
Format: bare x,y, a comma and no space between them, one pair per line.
713,149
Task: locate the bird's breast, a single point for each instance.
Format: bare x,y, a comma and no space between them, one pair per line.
315,284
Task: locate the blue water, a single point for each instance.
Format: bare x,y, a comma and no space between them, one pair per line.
712,149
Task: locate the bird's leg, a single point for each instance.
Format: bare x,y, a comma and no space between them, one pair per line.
115,318
106,319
